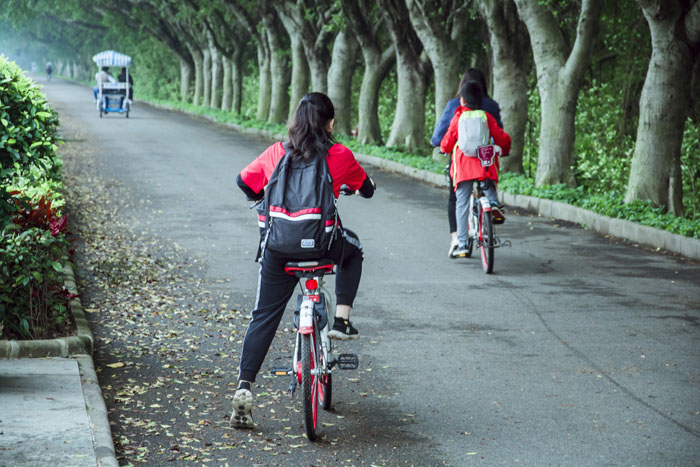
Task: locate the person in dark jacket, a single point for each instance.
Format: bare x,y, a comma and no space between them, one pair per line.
122,79
487,105
310,136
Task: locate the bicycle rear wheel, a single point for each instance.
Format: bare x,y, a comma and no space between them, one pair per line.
487,241
309,385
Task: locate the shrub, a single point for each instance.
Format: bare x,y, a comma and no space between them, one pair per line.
33,235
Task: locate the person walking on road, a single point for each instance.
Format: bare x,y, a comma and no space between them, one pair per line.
310,137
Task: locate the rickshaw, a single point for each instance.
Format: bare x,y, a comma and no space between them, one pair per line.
113,97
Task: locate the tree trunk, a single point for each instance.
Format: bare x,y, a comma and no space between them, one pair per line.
559,82
206,76
507,41
408,128
655,172
216,76
265,86
185,79
364,20
198,59
340,74
434,26
237,80
279,69
227,96
300,67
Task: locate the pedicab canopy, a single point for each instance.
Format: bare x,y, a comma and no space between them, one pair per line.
111,58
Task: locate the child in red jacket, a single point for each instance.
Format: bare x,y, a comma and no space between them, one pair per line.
467,169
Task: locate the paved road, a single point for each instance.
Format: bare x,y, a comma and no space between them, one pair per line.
577,351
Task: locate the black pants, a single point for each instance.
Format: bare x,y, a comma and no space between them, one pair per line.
275,288
451,202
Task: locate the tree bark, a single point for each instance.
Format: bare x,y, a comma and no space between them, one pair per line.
185,79
655,173
206,76
559,81
408,128
279,68
227,95
216,75
435,22
300,67
198,59
377,66
508,41
237,81
311,26
340,74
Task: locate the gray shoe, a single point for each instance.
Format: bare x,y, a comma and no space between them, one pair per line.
242,406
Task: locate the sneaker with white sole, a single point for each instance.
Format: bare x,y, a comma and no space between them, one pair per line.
242,406
460,252
453,246
343,330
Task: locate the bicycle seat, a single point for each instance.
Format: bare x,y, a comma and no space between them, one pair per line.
309,268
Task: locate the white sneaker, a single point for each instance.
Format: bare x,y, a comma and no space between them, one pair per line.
453,246
460,252
242,406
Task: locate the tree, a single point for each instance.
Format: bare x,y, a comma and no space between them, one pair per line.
441,25
508,41
279,66
664,106
343,63
412,70
312,24
366,21
559,79
301,76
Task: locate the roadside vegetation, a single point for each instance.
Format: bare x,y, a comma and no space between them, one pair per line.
391,66
34,241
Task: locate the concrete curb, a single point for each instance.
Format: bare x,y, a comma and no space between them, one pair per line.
97,414
80,343
620,228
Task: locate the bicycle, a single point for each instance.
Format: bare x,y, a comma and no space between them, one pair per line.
313,359
480,223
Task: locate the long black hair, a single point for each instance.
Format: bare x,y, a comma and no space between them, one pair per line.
308,137
473,74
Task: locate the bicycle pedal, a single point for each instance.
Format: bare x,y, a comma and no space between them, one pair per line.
348,361
281,371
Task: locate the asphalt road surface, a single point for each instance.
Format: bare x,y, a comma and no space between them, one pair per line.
578,350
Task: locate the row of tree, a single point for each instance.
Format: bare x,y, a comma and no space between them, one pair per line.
302,45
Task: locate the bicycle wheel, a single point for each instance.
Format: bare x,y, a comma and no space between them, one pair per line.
487,241
325,390
309,386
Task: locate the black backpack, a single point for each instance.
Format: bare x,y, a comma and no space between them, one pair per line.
299,208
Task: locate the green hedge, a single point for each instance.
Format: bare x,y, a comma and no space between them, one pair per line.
33,231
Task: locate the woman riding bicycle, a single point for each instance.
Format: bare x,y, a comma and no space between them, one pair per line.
487,105
465,170
310,136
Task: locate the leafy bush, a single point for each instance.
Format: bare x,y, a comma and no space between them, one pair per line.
608,204
33,235
33,301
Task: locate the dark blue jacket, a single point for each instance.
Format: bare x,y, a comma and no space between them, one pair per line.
487,105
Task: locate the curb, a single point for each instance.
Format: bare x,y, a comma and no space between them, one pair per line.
80,343
97,414
604,225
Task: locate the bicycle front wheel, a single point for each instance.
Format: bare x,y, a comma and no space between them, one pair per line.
487,241
309,385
